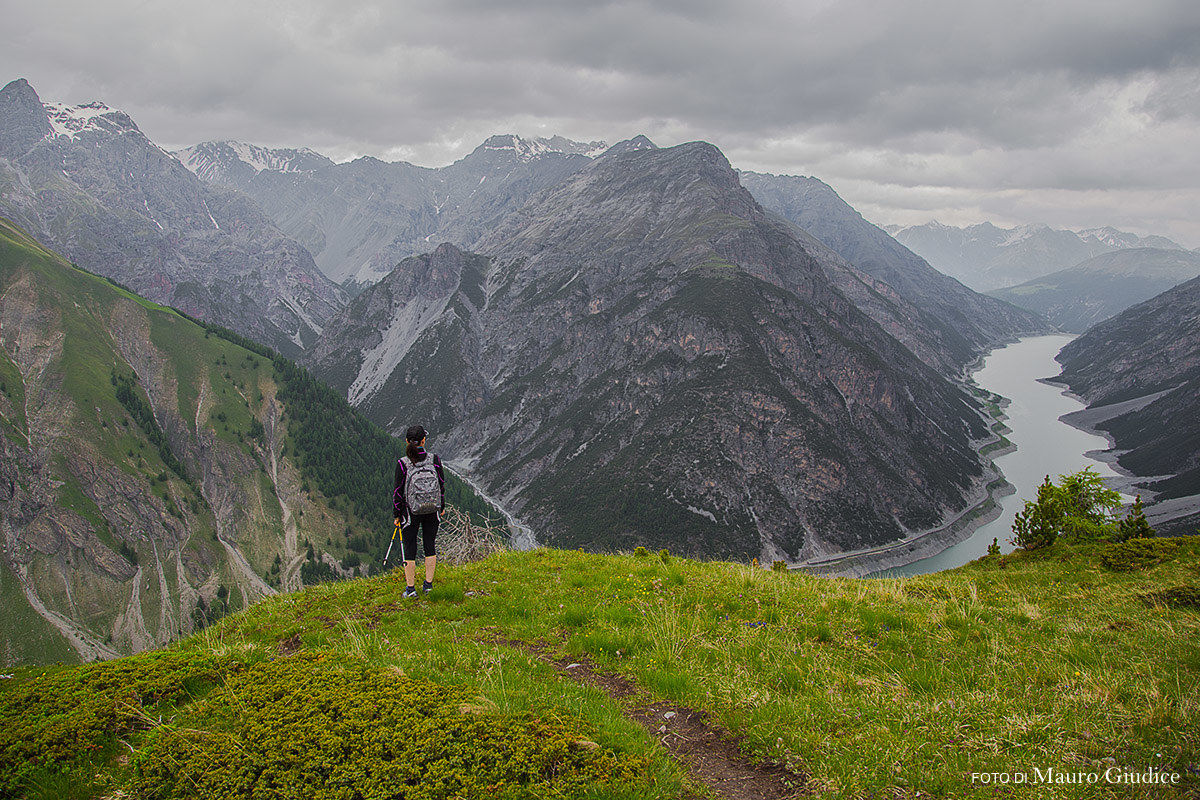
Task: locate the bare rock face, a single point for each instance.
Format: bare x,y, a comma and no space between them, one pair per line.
23,123
86,181
645,356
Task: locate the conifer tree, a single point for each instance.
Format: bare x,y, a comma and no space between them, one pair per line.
1039,523
1134,525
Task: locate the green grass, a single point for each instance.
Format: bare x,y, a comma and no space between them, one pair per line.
12,387
877,688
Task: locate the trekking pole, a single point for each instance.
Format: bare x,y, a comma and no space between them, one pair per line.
392,542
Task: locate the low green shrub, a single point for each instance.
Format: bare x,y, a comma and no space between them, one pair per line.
60,717
303,727
1137,553
1174,597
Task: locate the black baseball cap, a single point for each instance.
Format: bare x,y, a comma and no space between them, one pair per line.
415,433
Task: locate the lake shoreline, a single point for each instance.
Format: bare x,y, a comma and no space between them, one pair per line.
1027,411
925,544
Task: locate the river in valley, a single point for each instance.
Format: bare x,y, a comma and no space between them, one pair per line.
1045,445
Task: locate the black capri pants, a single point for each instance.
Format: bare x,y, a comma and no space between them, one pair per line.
428,523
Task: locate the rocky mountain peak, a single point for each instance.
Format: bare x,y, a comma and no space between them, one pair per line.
124,207
23,120
511,146
19,91
639,142
681,165
233,163
658,204
446,250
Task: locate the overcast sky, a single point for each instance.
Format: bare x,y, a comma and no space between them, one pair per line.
1076,114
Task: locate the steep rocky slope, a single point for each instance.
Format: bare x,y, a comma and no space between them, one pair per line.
953,324
154,475
1140,374
645,356
1075,299
88,182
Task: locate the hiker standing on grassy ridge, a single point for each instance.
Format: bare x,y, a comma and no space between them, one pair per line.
418,499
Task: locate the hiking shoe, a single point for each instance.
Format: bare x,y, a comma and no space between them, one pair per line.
428,587
411,591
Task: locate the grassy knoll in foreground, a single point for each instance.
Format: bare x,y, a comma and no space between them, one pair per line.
1065,658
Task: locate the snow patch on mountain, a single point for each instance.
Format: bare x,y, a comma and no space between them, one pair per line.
1023,233
262,158
70,121
529,149
209,160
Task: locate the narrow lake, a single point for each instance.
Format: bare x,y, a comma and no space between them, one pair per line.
1045,446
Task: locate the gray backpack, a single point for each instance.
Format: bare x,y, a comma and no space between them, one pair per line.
422,489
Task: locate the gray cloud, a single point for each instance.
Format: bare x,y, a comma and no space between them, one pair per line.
991,108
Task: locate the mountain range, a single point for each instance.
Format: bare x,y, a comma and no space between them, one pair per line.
987,257
87,182
1092,291
359,219
561,313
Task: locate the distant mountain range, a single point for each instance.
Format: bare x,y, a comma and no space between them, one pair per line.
1092,291
361,218
1140,374
987,257
88,182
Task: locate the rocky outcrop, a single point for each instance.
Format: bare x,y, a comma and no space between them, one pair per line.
647,357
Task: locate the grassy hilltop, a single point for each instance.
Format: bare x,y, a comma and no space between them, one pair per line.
526,675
